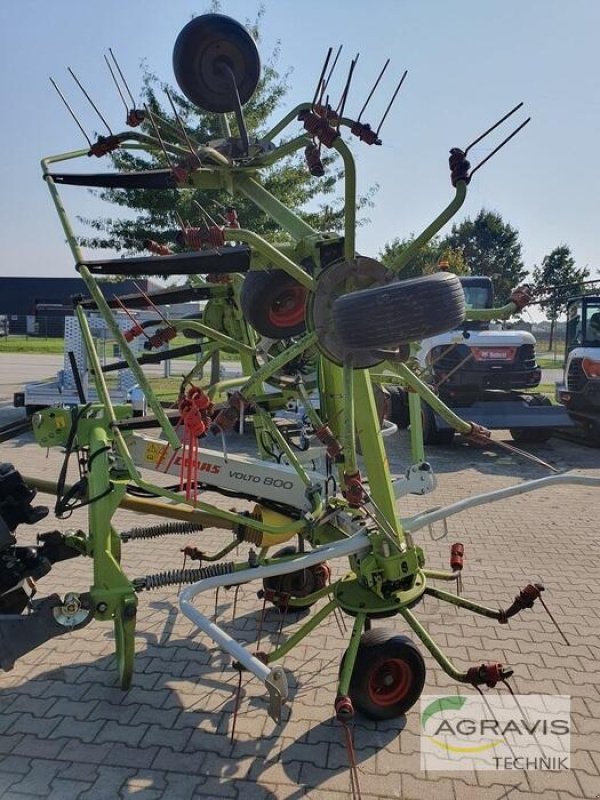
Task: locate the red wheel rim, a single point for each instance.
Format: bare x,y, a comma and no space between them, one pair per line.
389,681
288,308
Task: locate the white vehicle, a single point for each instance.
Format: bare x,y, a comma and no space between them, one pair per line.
579,390
483,375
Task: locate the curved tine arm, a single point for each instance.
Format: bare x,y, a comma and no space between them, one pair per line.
355,544
429,232
412,524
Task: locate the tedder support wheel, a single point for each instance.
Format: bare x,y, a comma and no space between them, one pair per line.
388,675
400,312
297,584
533,435
205,47
273,303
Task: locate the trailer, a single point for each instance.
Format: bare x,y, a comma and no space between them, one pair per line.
73,383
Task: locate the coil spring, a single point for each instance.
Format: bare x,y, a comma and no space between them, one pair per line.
176,577
252,536
165,529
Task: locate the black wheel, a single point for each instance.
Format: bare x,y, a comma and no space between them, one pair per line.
273,303
297,584
206,45
399,413
388,675
400,312
533,435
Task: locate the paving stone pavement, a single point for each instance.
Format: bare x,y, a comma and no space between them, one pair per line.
66,731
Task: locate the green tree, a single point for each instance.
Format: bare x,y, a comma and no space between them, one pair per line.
490,247
152,214
426,261
555,281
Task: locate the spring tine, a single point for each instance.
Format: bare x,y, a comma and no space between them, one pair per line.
180,221
391,102
182,126
523,714
354,782
150,303
216,602
71,112
89,99
514,696
493,127
204,213
281,624
500,146
130,315
518,451
556,625
261,623
122,77
168,124
113,76
493,717
159,137
328,78
235,600
342,104
375,85
224,445
237,705
182,572
320,81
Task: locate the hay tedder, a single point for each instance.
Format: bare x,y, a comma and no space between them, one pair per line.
317,329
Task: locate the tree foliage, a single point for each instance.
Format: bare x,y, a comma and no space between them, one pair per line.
490,247
152,214
557,279
426,261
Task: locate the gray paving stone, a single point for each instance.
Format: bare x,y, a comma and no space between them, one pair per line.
38,779
126,734
63,789
34,747
108,783
168,738
120,755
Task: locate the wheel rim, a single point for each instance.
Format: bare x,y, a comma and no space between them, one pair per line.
288,308
389,681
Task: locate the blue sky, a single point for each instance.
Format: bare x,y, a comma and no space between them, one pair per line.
469,62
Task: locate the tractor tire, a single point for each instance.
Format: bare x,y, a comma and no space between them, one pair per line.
388,676
273,303
401,312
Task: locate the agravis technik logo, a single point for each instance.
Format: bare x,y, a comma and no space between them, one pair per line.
498,731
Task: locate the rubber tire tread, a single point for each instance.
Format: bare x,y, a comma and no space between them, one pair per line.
374,644
401,312
259,291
